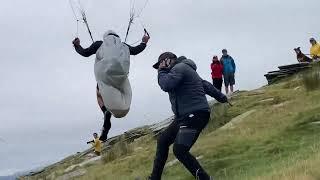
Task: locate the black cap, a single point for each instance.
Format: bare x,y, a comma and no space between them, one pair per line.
164,56
224,50
181,58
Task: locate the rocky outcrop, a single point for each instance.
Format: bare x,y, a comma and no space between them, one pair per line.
286,71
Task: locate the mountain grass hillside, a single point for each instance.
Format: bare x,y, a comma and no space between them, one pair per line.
269,133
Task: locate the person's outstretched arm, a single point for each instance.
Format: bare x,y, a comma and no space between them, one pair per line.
89,142
138,49
87,51
213,92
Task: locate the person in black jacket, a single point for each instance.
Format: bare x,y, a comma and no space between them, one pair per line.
187,93
86,52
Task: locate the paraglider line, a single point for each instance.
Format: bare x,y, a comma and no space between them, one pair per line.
130,19
75,17
86,23
144,6
133,16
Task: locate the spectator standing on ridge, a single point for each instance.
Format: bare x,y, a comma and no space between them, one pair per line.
96,144
314,49
216,73
229,69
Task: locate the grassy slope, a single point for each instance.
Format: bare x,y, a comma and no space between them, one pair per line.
272,143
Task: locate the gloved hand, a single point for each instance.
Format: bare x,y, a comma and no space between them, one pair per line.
145,38
224,99
165,64
76,42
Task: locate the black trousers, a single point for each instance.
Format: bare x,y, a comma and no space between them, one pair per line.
183,134
217,83
107,121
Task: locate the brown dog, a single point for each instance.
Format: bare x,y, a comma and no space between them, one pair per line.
301,57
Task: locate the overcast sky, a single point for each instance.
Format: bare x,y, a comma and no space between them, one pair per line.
48,107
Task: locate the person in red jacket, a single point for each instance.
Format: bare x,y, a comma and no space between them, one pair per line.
216,73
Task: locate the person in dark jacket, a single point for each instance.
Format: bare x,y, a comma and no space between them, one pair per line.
229,69
216,73
92,50
187,94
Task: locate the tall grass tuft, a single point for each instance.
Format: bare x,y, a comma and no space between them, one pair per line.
119,150
311,79
219,117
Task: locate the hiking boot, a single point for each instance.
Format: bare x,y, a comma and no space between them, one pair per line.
149,178
201,175
210,178
104,135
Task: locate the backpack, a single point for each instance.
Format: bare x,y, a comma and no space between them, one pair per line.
111,70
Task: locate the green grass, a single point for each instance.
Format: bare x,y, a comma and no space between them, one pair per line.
277,141
119,150
311,79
